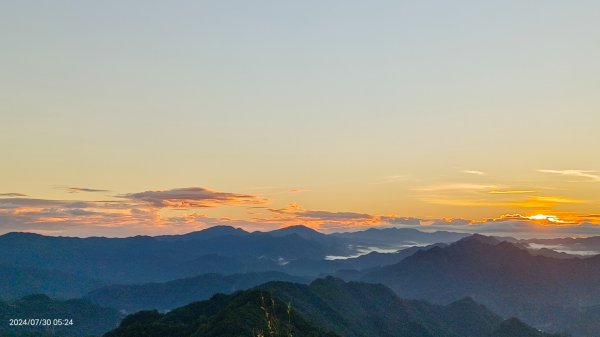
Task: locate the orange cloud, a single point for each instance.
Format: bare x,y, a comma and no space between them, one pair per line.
176,211
543,219
193,197
294,214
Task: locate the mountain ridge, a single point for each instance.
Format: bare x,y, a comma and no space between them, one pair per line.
329,306
503,276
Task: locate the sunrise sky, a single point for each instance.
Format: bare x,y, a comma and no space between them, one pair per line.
124,118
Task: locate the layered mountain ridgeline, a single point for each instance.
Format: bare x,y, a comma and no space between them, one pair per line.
173,294
88,262
576,321
584,245
18,282
87,318
157,258
316,268
393,237
501,275
245,314
326,307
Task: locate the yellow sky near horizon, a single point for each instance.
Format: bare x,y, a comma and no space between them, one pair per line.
338,115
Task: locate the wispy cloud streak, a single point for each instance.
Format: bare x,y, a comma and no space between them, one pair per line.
590,175
475,172
12,195
84,189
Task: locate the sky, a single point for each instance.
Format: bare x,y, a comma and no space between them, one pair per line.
121,118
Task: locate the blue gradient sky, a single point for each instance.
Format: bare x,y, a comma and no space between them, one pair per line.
408,108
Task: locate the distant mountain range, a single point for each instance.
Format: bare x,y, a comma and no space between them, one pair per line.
504,276
169,295
31,263
588,245
326,307
392,237
550,290
357,265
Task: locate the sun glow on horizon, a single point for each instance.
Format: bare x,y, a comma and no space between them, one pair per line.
550,218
